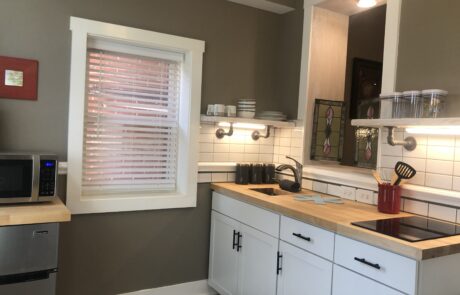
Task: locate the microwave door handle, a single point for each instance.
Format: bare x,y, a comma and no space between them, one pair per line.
35,177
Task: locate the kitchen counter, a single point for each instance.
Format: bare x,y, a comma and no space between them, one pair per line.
338,218
30,213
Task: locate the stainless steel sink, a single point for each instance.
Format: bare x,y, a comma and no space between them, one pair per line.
271,191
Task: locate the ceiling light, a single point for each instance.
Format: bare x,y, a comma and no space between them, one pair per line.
366,3
434,130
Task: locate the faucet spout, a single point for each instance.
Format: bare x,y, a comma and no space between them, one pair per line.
297,171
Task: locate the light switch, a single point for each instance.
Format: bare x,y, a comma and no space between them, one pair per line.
365,196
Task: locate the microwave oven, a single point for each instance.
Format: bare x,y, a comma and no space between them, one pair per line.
27,177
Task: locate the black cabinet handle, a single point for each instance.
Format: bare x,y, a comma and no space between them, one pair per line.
234,240
278,263
362,260
238,245
300,236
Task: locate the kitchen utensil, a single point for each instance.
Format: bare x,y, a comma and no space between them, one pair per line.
377,177
403,171
389,198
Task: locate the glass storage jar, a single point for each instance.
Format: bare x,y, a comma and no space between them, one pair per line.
415,100
434,101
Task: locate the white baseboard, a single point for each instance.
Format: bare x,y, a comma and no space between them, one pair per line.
190,288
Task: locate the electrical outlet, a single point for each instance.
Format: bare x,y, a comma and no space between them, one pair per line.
365,196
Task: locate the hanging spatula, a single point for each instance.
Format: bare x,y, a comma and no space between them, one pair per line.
403,171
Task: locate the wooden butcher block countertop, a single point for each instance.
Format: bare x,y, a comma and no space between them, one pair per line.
338,218
30,213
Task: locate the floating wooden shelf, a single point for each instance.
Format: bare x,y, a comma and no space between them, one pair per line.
406,122
212,119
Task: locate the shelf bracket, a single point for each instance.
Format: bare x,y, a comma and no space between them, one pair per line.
409,143
256,134
220,133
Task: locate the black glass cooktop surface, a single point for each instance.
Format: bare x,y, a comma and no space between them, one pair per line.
411,229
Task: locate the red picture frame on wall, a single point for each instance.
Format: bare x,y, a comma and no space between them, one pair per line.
18,78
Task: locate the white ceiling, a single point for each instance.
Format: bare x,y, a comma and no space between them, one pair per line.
265,5
347,7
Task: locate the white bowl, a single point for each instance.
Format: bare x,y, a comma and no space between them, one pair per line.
248,115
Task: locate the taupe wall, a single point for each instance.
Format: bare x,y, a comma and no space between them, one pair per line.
120,252
366,35
429,47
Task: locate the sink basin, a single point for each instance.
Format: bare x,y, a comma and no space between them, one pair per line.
271,191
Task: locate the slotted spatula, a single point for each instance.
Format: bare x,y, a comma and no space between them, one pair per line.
403,171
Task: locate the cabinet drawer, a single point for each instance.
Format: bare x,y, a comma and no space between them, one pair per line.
256,217
347,282
383,266
308,237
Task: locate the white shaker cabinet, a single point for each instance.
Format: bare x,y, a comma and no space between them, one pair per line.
257,262
223,257
347,282
303,273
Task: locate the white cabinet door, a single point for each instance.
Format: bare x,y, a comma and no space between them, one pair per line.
303,273
223,257
257,263
347,282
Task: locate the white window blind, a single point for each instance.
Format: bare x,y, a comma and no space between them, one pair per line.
131,123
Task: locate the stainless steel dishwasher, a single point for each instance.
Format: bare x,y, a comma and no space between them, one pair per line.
28,259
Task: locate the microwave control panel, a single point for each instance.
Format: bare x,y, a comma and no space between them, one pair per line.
47,178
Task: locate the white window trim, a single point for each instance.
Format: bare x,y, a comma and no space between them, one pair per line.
189,118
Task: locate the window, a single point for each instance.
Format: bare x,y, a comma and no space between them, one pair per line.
133,119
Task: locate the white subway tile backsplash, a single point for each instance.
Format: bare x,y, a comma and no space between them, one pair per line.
231,177
418,179
442,212
254,148
389,150
286,132
204,177
436,140
440,153
458,215
456,183
206,147
285,141
297,133
236,148
219,177
285,150
320,187
365,196
221,147
335,190
349,193
207,137
236,157
296,142
250,157
206,157
225,139
266,149
389,161
266,158
456,168
419,152
417,163
439,167
416,207
438,181
307,184
221,157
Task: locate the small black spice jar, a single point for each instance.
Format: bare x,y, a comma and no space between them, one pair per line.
242,174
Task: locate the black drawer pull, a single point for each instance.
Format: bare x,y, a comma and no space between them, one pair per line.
278,263
362,260
238,244
234,240
300,236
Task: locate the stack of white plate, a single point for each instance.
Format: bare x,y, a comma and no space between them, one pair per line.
271,115
246,108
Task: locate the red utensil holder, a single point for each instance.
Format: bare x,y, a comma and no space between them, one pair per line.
389,200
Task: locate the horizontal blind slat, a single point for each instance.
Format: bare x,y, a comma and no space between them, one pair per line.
131,122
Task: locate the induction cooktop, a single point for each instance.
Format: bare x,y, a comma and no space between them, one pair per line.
411,229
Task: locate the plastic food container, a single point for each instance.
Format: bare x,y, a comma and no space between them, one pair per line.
415,100
434,101
399,105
